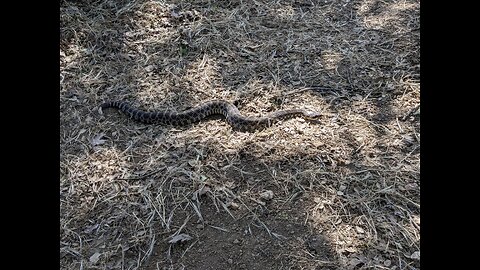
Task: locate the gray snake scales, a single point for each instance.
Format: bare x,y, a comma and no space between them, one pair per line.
214,107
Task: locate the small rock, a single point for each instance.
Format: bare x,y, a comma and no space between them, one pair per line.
357,97
359,229
233,205
150,68
230,261
94,258
267,195
387,263
236,241
415,255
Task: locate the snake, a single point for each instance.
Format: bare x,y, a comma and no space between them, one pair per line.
214,107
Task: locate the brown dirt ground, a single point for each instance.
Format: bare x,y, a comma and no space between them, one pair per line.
346,190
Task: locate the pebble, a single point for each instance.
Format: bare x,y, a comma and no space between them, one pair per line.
267,195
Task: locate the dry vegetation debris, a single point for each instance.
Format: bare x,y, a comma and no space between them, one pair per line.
342,194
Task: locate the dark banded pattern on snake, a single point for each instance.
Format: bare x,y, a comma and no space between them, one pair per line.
204,110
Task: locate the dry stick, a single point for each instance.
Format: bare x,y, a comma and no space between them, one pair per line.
226,208
197,211
219,228
144,175
179,229
188,248
150,247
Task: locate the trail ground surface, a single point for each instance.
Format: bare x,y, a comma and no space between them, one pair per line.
339,193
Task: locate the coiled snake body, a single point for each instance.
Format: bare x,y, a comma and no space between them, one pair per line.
214,107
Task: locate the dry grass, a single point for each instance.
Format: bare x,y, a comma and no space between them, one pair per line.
127,189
